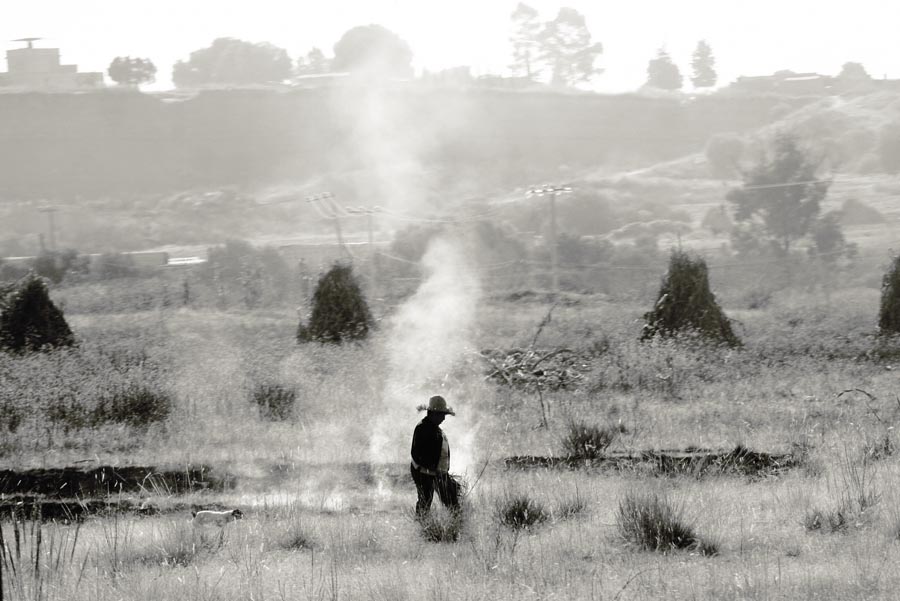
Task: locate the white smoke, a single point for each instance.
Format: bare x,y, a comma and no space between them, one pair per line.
428,338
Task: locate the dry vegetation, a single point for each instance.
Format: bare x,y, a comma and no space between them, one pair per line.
167,374
292,423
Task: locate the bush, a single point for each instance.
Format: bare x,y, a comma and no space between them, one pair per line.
297,538
275,402
442,527
521,512
889,315
651,522
29,321
583,441
340,312
132,404
685,303
570,508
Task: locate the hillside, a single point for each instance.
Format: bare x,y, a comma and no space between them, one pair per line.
114,142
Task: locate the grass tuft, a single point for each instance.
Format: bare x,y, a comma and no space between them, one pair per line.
297,538
584,441
521,512
653,523
826,521
442,527
570,508
275,402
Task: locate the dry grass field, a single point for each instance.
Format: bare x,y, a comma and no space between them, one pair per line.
328,513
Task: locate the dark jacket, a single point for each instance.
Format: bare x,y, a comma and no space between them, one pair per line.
426,445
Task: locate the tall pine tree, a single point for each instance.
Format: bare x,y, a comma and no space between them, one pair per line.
704,66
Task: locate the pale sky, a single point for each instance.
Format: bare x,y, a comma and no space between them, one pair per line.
747,38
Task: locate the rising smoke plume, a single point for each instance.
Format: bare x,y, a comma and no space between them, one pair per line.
427,341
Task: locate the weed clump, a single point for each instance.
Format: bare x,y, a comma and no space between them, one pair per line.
584,441
653,523
442,527
686,303
827,521
521,512
889,315
133,404
570,508
297,538
275,401
340,312
29,321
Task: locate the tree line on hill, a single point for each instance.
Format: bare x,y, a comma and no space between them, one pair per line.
559,51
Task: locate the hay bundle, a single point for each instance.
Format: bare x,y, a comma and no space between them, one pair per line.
889,316
685,303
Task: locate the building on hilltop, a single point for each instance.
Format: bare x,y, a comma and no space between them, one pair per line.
786,82
39,69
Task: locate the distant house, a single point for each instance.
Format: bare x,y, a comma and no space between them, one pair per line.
39,69
786,82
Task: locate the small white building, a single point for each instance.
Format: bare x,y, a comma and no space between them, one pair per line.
33,68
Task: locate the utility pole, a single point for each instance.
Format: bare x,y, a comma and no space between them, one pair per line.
332,213
373,256
51,225
552,192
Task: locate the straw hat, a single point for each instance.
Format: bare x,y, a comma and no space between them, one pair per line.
438,404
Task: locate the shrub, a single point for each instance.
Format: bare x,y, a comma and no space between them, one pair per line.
275,402
570,508
132,404
340,312
297,538
651,522
685,302
583,441
30,321
442,527
889,316
521,512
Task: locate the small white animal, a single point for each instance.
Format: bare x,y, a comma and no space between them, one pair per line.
208,517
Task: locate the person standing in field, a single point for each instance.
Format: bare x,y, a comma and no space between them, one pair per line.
430,466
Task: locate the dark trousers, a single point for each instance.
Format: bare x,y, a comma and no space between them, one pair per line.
447,489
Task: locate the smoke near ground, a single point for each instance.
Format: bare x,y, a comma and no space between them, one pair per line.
427,341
